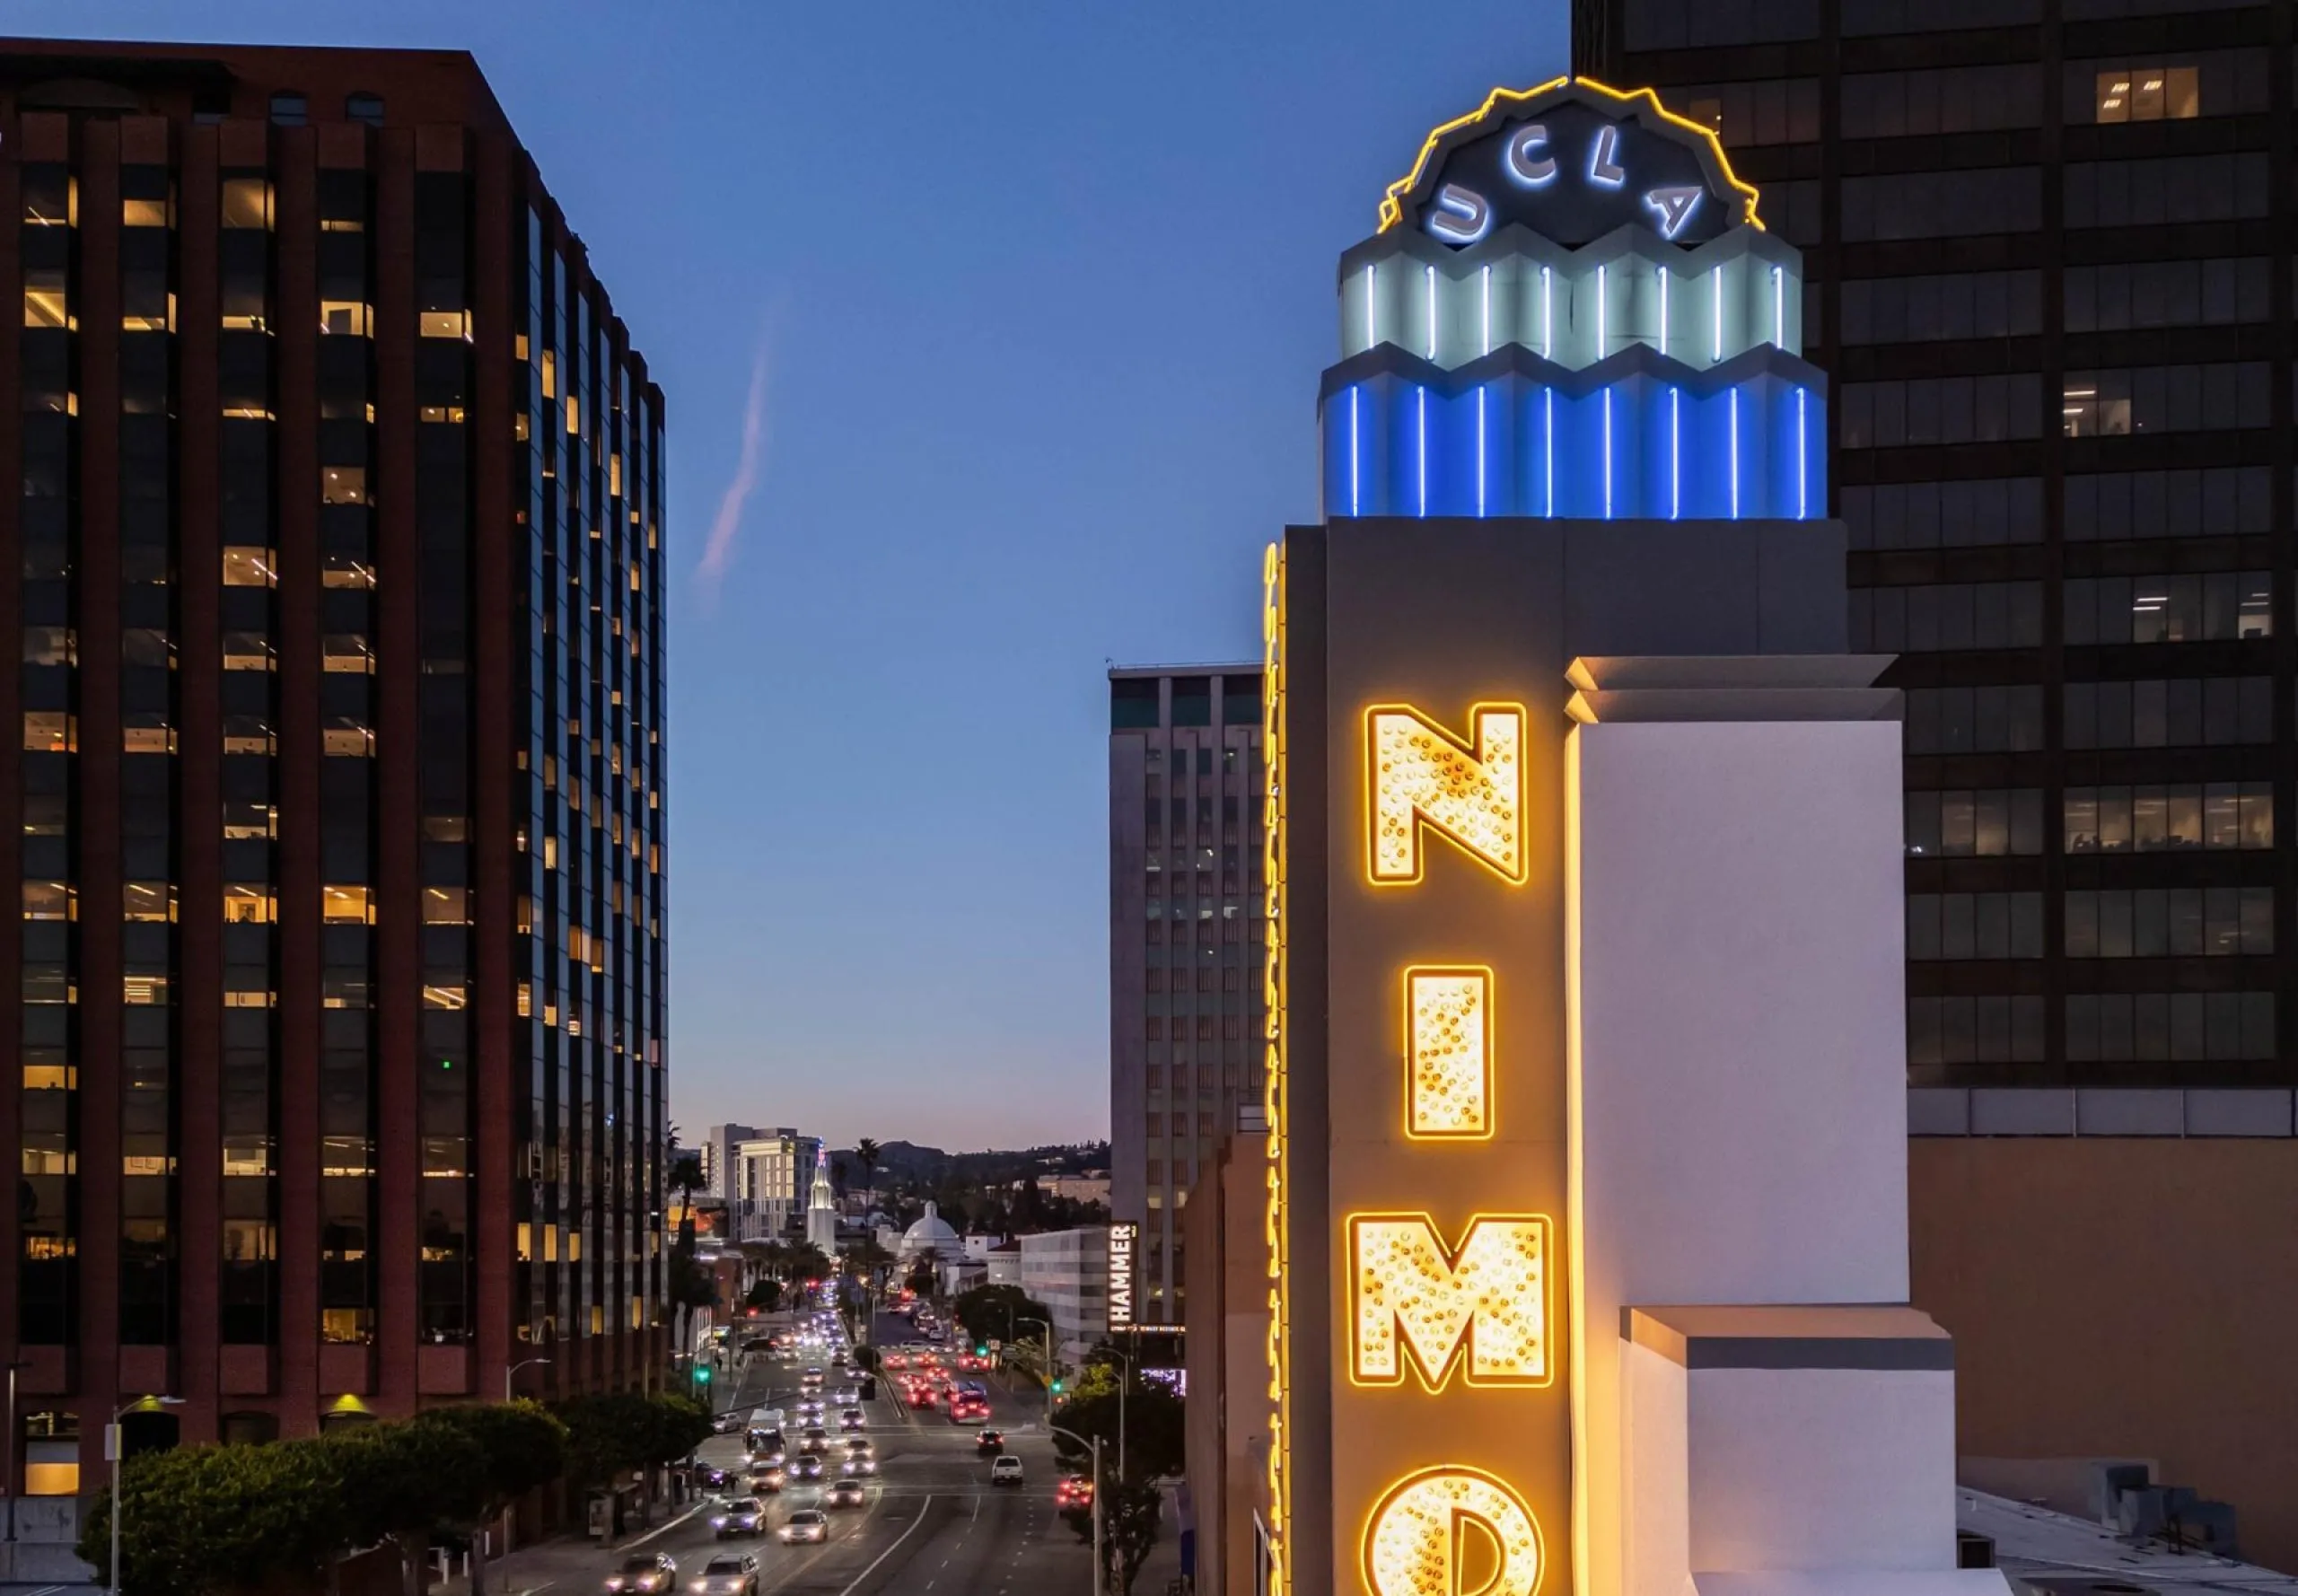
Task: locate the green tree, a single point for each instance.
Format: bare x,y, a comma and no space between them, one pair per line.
1131,1511
765,1294
866,1150
1155,1429
401,1481
998,1312
227,1521
525,1448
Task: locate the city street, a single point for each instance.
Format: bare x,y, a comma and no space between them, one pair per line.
931,1522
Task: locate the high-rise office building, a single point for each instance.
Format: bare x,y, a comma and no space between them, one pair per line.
335,559
2048,249
1187,924
718,1157
773,1172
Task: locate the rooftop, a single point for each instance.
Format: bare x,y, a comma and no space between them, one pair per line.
2044,1550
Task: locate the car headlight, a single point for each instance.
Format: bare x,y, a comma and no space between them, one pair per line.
718,1523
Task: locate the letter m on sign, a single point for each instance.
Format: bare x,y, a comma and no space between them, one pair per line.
1419,778
1480,1307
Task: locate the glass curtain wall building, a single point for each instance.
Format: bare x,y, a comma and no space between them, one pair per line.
2050,258
336,566
1188,1006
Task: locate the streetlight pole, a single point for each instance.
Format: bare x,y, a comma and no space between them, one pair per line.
113,1447
8,1469
509,1373
1095,1443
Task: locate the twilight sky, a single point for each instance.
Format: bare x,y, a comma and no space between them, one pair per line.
990,334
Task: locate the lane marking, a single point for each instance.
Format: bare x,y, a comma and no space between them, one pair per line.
891,1550
666,1529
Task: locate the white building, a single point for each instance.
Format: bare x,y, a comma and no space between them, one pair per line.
1069,1271
821,1208
773,1172
717,1151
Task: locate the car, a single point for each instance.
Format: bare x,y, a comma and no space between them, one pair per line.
739,1515
846,1493
710,1476
807,1469
848,1395
1075,1490
858,1467
853,1419
1006,1469
992,1442
813,1378
894,1359
726,1576
647,1574
921,1396
726,1422
813,1438
808,1523
968,1410
768,1480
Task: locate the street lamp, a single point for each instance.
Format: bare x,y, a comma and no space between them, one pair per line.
1095,1443
509,1373
1032,1319
112,1449
8,1467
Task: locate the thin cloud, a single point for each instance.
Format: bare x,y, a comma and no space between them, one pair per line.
725,527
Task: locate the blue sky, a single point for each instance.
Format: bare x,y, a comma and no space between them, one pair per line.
1035,297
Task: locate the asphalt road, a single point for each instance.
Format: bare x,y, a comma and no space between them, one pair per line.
931,1524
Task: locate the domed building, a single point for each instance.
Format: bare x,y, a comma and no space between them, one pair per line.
931,1234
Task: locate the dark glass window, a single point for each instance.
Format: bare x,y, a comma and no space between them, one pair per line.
363,107
289,110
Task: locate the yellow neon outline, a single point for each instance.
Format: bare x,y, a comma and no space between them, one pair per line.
1392,201
1276,1086
1456,1357
1379,1509
1575,1170
1483,972
1469,751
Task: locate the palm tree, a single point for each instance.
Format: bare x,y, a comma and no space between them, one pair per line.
866,1151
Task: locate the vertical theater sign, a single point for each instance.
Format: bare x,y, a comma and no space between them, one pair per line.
1586,1185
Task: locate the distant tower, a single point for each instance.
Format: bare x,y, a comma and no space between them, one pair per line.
821,1209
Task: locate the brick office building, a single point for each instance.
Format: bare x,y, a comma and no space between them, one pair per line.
341,780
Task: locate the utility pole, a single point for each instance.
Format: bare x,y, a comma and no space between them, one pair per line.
1095,1443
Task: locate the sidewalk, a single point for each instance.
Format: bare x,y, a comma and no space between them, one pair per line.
564,1562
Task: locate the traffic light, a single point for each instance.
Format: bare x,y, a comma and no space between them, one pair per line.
981,1351
702,1373
1057,1387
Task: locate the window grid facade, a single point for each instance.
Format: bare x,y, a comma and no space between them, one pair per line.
1187,948
2049,264
340,1005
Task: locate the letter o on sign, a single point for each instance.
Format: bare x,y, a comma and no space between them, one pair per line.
1434,1531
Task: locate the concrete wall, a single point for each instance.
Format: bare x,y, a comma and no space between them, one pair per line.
2122,1298
1227,1355
1740,1021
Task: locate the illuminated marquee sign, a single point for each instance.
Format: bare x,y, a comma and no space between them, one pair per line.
1421,1306
1572,169
1122,1237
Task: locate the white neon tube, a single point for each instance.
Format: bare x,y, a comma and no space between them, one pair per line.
1715,279
1661,272
1487,311
1603,314
1778,308
1372,306
1480,450
1802,458
1424,450
1547,317
1356,491
1429,283
1608,439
